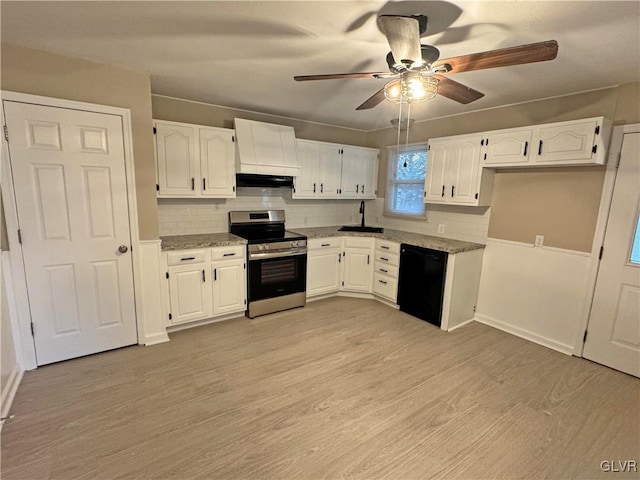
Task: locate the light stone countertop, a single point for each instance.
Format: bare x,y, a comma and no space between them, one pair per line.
442,244
204,240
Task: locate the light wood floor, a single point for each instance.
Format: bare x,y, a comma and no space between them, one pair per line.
342,388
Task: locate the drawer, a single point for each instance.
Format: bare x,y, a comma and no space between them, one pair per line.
185,257
388,258
358,242
386,269
385,287
319,243
228,253
386,246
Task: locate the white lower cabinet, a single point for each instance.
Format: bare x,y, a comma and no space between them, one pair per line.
386,267
358,264
324,261
229,286
189,293
205,283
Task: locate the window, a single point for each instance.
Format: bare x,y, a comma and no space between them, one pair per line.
405,184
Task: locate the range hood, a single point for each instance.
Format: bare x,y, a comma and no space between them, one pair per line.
265,149
264,181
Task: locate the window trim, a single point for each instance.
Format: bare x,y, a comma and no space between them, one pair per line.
391,182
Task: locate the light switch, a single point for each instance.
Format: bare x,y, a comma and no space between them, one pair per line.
441,228
539,240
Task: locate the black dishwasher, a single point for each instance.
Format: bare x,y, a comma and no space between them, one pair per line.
421,282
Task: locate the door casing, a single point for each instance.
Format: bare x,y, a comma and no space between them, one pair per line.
26,352
615,147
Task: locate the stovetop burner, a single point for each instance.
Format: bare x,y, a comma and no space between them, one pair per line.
264,226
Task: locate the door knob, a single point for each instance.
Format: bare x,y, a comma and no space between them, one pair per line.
123,249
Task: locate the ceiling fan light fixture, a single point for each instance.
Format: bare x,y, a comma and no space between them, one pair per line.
412,88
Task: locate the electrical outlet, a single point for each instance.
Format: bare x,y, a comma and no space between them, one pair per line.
441,228
305,220
539,240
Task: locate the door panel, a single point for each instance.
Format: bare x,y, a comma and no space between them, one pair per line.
323,274
307,183
229,287
435,179
71,196
330,167
217,162
190,293
468,171
614,324
176,159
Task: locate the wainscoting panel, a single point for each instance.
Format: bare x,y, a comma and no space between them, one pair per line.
536,293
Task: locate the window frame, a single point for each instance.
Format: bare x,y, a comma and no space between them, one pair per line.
392,182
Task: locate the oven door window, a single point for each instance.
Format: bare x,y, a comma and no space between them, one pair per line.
275,277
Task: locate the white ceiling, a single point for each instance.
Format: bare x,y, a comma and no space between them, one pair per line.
243,54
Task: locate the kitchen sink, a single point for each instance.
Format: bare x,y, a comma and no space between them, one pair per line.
357,228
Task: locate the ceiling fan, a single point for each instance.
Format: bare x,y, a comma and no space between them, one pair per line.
417,74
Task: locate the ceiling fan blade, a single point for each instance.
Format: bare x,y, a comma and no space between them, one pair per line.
504,57
373,100
403,35
335,76
456,91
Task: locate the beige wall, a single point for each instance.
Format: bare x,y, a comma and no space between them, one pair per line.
561,204
42,73
177,110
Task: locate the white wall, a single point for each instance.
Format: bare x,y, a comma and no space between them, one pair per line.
10,371
190,216
535,293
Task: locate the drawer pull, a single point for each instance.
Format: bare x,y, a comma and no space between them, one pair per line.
326,245
526,148
384,258
383,282
184,259
383,270
384,246
228,254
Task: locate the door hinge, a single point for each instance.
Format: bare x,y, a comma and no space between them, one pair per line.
294,189
428,148
6,133
343,284
170,317
155,130
601,252
233,138
157,187
32,332
584,338
594,149
482,142
244,265
166,274
245,301
476,196
598,130
19,237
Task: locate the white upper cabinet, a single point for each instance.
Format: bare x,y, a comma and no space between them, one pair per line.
176,158
507,147
454,172
217,162
194,160
576,142
266,148
330,170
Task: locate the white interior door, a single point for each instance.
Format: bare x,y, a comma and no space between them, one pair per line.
70,187
613,337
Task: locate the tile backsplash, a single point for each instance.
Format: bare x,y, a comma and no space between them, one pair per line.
177,216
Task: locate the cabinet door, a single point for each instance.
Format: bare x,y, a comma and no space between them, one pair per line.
435,179
217,162
229,286
465,171
566,142
330,168
507,148
176,158
358,269
189,292
352,176
323,271
370,174
307,183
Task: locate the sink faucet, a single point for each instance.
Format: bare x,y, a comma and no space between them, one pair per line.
362,212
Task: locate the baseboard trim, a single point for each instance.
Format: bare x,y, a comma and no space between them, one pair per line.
206,321
156,339
467,322
9,393
526,334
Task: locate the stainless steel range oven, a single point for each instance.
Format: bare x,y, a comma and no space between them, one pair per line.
277,266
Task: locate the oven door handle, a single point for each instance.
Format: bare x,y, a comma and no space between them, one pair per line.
266,255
